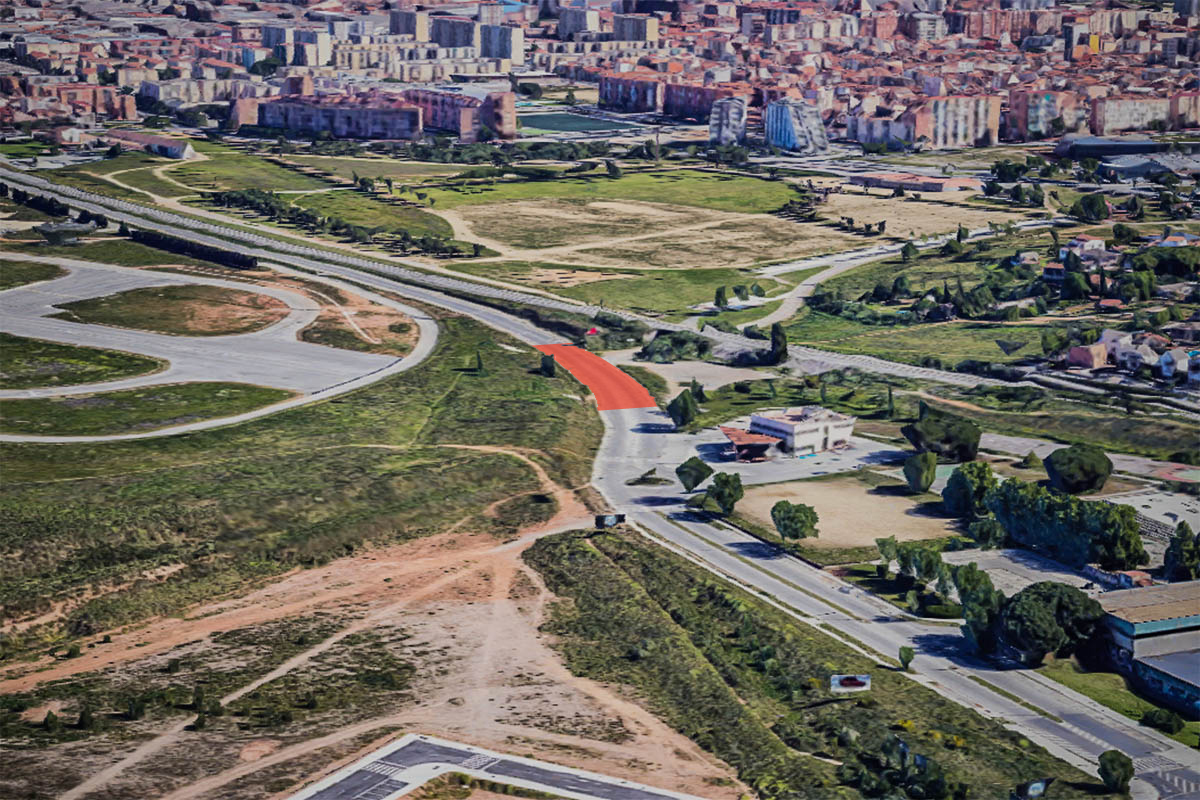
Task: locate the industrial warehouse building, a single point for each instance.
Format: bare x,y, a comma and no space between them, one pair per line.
1154,640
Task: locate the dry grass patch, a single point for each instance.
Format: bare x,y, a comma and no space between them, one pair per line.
852,514
905,216
180,310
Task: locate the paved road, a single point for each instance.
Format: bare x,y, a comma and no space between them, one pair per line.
407,764
633,441
426,342
272,356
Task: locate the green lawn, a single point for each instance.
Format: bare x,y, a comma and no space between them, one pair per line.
146,180
23,149
119,251
19,273
359,209
28,363
400,171
679,187
663,291
229,168
181,310
750,684
1110,689
951,342
132,410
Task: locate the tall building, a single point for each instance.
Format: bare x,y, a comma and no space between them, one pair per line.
577,20
635,28
410,23
455,31
795,125
727,122
1187,8
502,41
955,121
1032,113
1117,114
632,93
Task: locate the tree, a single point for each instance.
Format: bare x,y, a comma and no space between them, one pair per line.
692,473
683,409
794,520
726,490
123,230
86,720
947,436
1075,287
1049,617
1090,208
613,168
891,403
1116,770
548,366
969,484
135,708
697,391
720,300
1078,468
51,722
1031,461
920,469
961,234
908,252
569,99
479,368
906,657
1164,719
1182,560
779,344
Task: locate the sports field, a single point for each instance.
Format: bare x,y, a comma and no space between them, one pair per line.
565,122
613,388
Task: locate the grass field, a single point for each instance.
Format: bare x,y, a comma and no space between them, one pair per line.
131,410
1110,689
19,273
655,291
951,342
147,181
122,252
237,504
229,168
749,683
559,122
181,310
23,149
679,187
400,171
29,363
359,209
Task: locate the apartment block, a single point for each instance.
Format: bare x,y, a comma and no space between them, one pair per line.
635,28
795,125
727,121
1117,114
1032,113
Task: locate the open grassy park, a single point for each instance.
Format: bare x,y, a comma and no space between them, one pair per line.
119,251
375,213
180,310
132,410
379,168
226,167
29,363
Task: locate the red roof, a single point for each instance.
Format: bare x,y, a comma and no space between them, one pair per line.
743,437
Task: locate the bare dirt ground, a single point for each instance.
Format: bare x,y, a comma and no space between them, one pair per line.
571,277
851,513
346,319
907,217
636,235
468,611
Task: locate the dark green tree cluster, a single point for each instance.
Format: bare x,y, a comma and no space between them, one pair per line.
670,346
692,473
1090,208
1073,531
683,409
1182,560
950,437
726,490
1078,468
794,520
896,771
920,470
967,488
1048,617
176,244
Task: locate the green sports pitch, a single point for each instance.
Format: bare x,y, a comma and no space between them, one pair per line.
563,122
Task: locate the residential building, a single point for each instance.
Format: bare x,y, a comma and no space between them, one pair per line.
1087,356
1116,114
577,20
727,122
166,146
795,125
635,28
1039,114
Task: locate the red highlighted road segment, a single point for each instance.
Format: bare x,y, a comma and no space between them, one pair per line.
613,388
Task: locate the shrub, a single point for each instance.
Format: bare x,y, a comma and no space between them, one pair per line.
1078,468
1164,719
920,469
969,484
949,437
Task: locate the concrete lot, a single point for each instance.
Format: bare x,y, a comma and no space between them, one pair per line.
272,356
712,446
404,766
1013,570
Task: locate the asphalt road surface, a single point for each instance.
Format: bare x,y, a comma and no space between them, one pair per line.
272,356
405,765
